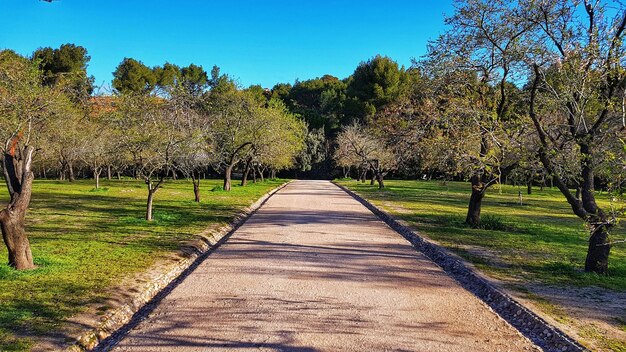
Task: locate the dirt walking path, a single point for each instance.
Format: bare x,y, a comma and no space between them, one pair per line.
314,270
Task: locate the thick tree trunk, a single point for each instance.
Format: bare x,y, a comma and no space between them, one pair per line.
109,173
227,177
273,174
14,235
379,179
119,176
19,179
529,187
475,203
597,260
373,178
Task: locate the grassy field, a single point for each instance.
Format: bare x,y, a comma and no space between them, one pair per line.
538,243
85,240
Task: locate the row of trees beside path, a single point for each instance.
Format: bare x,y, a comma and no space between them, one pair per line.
511,92
161,122
526,92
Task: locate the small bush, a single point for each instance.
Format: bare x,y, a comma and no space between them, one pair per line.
491,222
217,189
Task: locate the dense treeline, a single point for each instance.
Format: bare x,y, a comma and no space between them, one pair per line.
531,92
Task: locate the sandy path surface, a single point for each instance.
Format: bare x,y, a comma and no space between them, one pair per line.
314,270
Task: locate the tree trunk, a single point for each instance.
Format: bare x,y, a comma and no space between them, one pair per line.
363,174
597,260
70,168
14,235
62,169
19,179
261,175
196,186
379,178
152,188
373,178
227,175
273,174
149,205
244,178
96,175
119,176
473,210
109,173
253,174
529,187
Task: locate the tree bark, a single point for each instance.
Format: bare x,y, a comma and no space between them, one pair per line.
149,205
19,178
196,186
227,176
244,179
261,174
253,174
14,235
475,203
529,187
597,260
379,178
70,169
373,178
96,175
109,173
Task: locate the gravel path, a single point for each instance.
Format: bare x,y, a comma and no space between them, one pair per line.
314,270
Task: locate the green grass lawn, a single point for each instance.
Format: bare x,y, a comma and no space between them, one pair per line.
541,240
85,241
538,243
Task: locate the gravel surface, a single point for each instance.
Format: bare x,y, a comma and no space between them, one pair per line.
314,270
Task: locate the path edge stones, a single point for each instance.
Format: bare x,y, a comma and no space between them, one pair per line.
529,324
115,324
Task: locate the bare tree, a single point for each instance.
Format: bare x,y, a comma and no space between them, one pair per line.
357,142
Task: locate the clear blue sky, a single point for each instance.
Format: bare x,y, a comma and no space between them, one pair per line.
257,42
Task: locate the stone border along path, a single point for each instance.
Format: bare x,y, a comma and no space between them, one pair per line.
315,270
113,323
548,337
